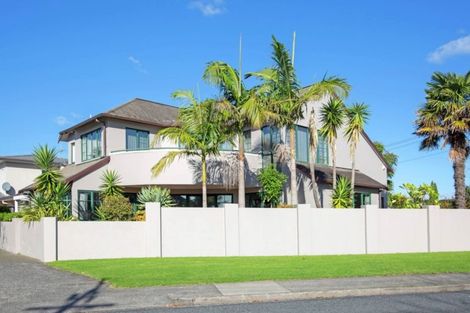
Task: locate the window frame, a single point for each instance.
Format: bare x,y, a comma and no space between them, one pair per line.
84,144
138,138
93,205
247,143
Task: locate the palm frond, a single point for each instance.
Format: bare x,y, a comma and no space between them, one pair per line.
166,161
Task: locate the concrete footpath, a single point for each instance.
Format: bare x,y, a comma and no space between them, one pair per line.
28,285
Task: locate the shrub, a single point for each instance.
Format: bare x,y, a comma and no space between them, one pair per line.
110,181
271,181
49,204
8,216
155,194
416,196
4,209
114,208
342,194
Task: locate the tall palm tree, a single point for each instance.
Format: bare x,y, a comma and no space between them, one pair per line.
445,120
287,98
200,131
247,111
356,119
313,142
332,117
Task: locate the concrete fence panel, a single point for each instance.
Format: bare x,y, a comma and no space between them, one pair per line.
331,231
449,229
266,231
8,237
193,232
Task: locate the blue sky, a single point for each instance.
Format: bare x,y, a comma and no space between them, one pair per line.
61,61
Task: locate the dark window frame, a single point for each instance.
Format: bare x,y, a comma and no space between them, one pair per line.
138,131
84,139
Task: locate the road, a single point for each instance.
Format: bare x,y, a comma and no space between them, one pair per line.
428,303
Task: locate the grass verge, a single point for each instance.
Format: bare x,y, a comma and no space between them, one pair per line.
142,272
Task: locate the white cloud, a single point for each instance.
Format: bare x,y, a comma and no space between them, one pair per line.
455,47
137,64
62,120
208,7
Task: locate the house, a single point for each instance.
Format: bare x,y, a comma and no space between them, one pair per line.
16,173
123,139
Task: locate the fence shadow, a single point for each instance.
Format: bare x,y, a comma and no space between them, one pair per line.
77,301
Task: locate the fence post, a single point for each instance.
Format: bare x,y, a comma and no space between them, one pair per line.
49,228
371,228
433,227
232,229
153,230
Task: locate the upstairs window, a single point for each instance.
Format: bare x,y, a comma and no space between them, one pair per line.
302,146
270,139
91,145
247,140
137,139
72,153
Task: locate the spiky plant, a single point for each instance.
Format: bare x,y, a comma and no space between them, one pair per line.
110,184
332,117
341,197
44,158
356,119
155,194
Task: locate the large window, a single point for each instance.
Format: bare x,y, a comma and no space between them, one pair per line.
247,140
91,145
270,139
213,201
302,146
137,139
88,201
361,198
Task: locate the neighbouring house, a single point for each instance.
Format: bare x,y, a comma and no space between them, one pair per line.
18,172
123,139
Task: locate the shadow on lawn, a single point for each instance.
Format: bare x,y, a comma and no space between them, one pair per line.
77,301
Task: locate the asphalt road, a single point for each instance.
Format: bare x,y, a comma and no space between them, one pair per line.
429,303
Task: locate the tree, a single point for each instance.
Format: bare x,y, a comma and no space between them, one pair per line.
44,158
341,197
110,181
202,128
357,116
247,111
444,120
271,181
392,161
286,99
313,143
332,117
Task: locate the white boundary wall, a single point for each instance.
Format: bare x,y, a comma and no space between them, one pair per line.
233,231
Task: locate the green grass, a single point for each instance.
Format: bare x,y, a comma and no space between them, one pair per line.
184,271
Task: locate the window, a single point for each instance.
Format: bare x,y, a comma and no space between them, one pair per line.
226,146
213,201
137,139
302,144
322,151
72,153
361,199
247,140
270,138
88,201
91,145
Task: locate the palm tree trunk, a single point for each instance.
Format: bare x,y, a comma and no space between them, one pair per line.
204,183
459,182
353,176
241,171
333,154
293,167
313,156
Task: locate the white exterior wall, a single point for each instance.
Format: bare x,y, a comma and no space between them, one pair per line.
19,176
193,232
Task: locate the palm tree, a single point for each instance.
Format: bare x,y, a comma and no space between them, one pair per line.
357,116
201,130
110,181
46,182
247,111
445,120
332,117
313,142
287,98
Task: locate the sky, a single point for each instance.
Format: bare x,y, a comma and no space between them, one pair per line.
62,61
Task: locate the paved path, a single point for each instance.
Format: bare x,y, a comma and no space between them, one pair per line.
30,286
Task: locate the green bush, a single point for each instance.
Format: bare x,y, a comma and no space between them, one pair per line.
271,181
416,196
8,216
342,194
114,208
155,194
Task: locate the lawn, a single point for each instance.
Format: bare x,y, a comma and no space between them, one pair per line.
184,271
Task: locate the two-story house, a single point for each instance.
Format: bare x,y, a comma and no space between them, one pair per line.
122,139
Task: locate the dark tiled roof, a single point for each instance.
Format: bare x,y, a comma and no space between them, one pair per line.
27,159
137,110
324,174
